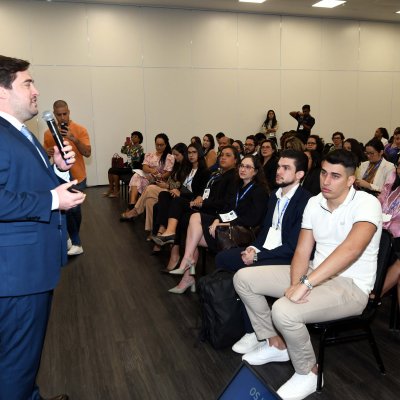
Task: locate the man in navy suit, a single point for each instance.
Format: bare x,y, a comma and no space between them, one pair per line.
277,240
32,232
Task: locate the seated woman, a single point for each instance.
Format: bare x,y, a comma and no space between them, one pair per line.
311,180
390,200
356,148
372,174
249,210
219,192
174,204
268,155
156,166
239,147
134,150
149,197
209,153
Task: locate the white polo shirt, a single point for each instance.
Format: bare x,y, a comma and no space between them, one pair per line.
330,229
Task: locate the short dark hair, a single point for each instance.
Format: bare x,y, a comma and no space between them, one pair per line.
253,138
343,157
376,144
338,134
9,68
60,103
300,159
138,134
219,135
306,106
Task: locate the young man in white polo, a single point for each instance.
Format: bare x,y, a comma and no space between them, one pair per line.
345,225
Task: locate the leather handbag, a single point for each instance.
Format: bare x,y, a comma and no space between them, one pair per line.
117,161
234,236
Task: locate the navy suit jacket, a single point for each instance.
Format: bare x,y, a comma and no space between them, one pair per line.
291,225
32,237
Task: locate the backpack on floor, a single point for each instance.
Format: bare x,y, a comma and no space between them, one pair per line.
221,309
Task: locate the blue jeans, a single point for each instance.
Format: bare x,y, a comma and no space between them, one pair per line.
74,219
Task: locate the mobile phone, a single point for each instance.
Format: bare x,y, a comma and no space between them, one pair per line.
64,127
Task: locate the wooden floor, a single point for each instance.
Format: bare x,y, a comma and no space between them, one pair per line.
116,333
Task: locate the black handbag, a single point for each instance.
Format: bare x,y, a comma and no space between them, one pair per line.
234,236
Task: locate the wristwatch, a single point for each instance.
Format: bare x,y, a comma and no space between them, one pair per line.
304,280
255,257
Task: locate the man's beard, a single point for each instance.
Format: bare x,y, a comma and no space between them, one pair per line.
285,184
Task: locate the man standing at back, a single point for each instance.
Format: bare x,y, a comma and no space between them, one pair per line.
32,232
78,137
345,227
305,122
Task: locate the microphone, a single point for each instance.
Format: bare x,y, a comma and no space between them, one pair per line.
51,123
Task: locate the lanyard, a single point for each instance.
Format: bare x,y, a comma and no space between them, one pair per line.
280,214
369,170
212,179
244,194
190,177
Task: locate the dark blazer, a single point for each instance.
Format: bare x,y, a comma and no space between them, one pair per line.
199,182
291,225
32,237
270,169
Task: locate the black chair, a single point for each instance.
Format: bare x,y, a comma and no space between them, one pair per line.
356,327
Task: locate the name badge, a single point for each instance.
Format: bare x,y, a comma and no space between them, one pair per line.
273,240
228,217
386,217
301,127
206,194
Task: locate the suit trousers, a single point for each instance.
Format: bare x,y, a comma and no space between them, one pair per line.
23,323
74,219
335,298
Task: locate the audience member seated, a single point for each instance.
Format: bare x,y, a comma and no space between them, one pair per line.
149,197
238,144
312,178
344,227
286,136
270,126
134,151
172,206
248,210
250,145
314,142
392,150
268,155
157,166
390,201
372,174
195,139
223,141
277,240
208,148
383,135
356,148
293,143
337,143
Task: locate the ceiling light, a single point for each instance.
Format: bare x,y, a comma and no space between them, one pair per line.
397,12
329,3
252,1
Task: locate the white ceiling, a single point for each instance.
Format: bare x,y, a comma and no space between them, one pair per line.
377,10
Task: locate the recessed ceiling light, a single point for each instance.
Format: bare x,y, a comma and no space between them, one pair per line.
329,3
397,12
252,1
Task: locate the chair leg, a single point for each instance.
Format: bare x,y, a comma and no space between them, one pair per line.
375,350
394,311
320,360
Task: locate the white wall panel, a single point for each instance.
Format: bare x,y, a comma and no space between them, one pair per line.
115,36
379,46
166,37
214,102
168,104
214,38
59,34
259,91
12,15
339,45
299,88
395,113
259,41
374,102
301,43
117,111
338,104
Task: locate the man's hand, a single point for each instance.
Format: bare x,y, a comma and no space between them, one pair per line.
248,256
62,164
297,293
67,199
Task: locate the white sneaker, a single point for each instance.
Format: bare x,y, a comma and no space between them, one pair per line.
246,344
298,387
264,353
69,244
75,250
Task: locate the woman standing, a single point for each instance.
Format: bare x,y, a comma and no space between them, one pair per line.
249,208
270,126
157,166
208,147
372,174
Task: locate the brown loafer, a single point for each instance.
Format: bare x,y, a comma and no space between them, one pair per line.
59,397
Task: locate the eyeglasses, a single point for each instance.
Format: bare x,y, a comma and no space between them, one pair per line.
370,153
311,142
248,167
